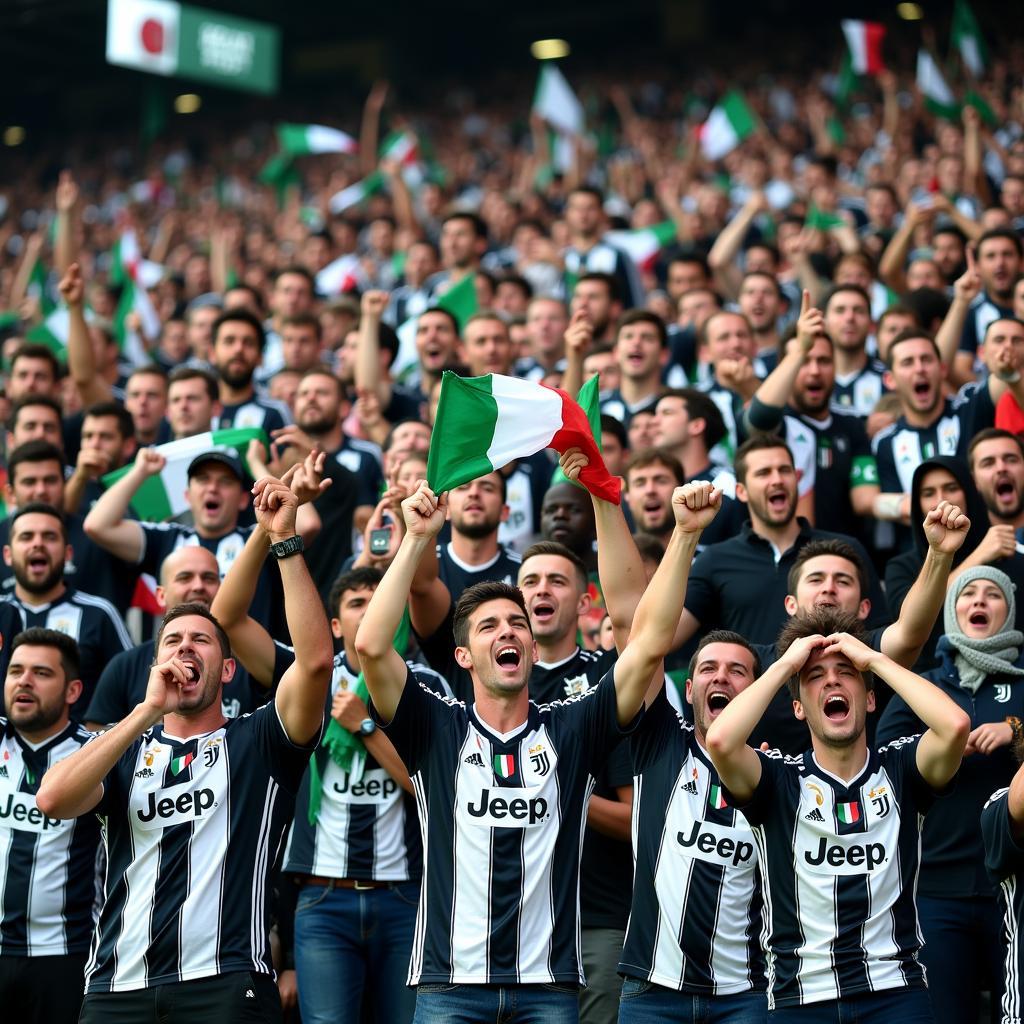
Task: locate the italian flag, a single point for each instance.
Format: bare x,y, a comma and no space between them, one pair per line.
644,244
938,96
727,126
484,423
967,38
341,275
179,764
303,139
864,38
401,147
505,765
555,101
716,799
135,275
163,495
848,813
53,332
356,194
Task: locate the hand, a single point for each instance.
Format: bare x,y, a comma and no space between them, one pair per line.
757,202
92,463
573,462
967,287
999,542
378,94
988,738
148,463
72,286
367,408
971,117
348,710
580,333
734,374
395,528
288,989
945,528
67,192
163,688
695,505
293,437
810,325
275,506
800,650
424,512
857,653
257,456
373,304
306,478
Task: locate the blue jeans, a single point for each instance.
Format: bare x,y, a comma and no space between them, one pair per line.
348,941
893,1006
496,1004
963,954
644,1002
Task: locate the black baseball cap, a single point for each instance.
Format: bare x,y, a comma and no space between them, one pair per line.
225,456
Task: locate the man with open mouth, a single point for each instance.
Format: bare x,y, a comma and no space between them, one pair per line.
506,783
838,827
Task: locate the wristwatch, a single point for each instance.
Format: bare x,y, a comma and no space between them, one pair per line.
367,727
287,548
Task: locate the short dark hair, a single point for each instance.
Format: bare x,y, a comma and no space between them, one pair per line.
774,281
653,457
517,281
33,451
325,371
478,223
125,423
194,608
650,547
64,645
444,312
293,268
613,425
643,316
239,314
476,595
614,292
552,547
303,320
999,320
758,443
1006,233
840,288
910,334
362,578
835,547
990,434
35,350
38,508
181,373
28,400
588,190
151,369
898,309
724,636
693,257
387,339
699,406
823,621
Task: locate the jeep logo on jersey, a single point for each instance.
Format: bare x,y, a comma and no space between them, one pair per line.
19,811
375,787
845,855
175,810
717,844
509,808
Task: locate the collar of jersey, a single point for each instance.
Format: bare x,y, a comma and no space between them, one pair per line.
502,737
466,567
557,664
36,747
165,735
842,782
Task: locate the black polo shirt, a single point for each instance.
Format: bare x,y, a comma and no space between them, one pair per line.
740,585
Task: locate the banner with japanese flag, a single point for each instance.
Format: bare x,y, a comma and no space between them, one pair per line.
143,34
864,38
302,139
484,423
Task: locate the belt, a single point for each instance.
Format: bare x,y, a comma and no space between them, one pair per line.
341,883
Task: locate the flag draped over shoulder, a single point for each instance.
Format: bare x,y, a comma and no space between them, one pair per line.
162,496
484,423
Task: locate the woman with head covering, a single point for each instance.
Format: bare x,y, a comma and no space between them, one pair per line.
983,671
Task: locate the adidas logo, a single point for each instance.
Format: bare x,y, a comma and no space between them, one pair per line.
690,787
814,815
475,760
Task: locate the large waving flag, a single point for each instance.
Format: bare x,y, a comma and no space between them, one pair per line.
967,38
864,39
556,102
163,495
484,423
727,126
302,139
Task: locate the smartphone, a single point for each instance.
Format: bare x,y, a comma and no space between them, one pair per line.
380,541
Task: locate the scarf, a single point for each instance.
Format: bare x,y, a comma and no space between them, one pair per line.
976,659
345,749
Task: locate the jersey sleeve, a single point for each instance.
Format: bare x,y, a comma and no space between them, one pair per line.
896,722
110,698
701,599
284,658
1004,856
900,759
759,807
159,540
651,739
117,783
285,760
888,478
863,468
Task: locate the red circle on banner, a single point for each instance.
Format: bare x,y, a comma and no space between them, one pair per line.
152,35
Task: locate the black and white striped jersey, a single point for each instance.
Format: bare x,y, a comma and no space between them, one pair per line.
695,923
192,829
48,879
859,392
840,864
502,819
1004,860
366,827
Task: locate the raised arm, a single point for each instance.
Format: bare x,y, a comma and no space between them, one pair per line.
892,267
579,336
945,528
106,524
302,692
723,254
383,667
369,130
966,289
92,388
64,241
367,369
694,505
429,597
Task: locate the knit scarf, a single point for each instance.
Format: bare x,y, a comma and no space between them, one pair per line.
976,659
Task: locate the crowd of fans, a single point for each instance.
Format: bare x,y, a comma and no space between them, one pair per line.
829,326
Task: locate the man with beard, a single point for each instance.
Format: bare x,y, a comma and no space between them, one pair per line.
859,379
36,551
238,343
47,873
996,460
507,782
437,339
838,831
598,297
761,302
194,810
741,583
189,575
567,518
